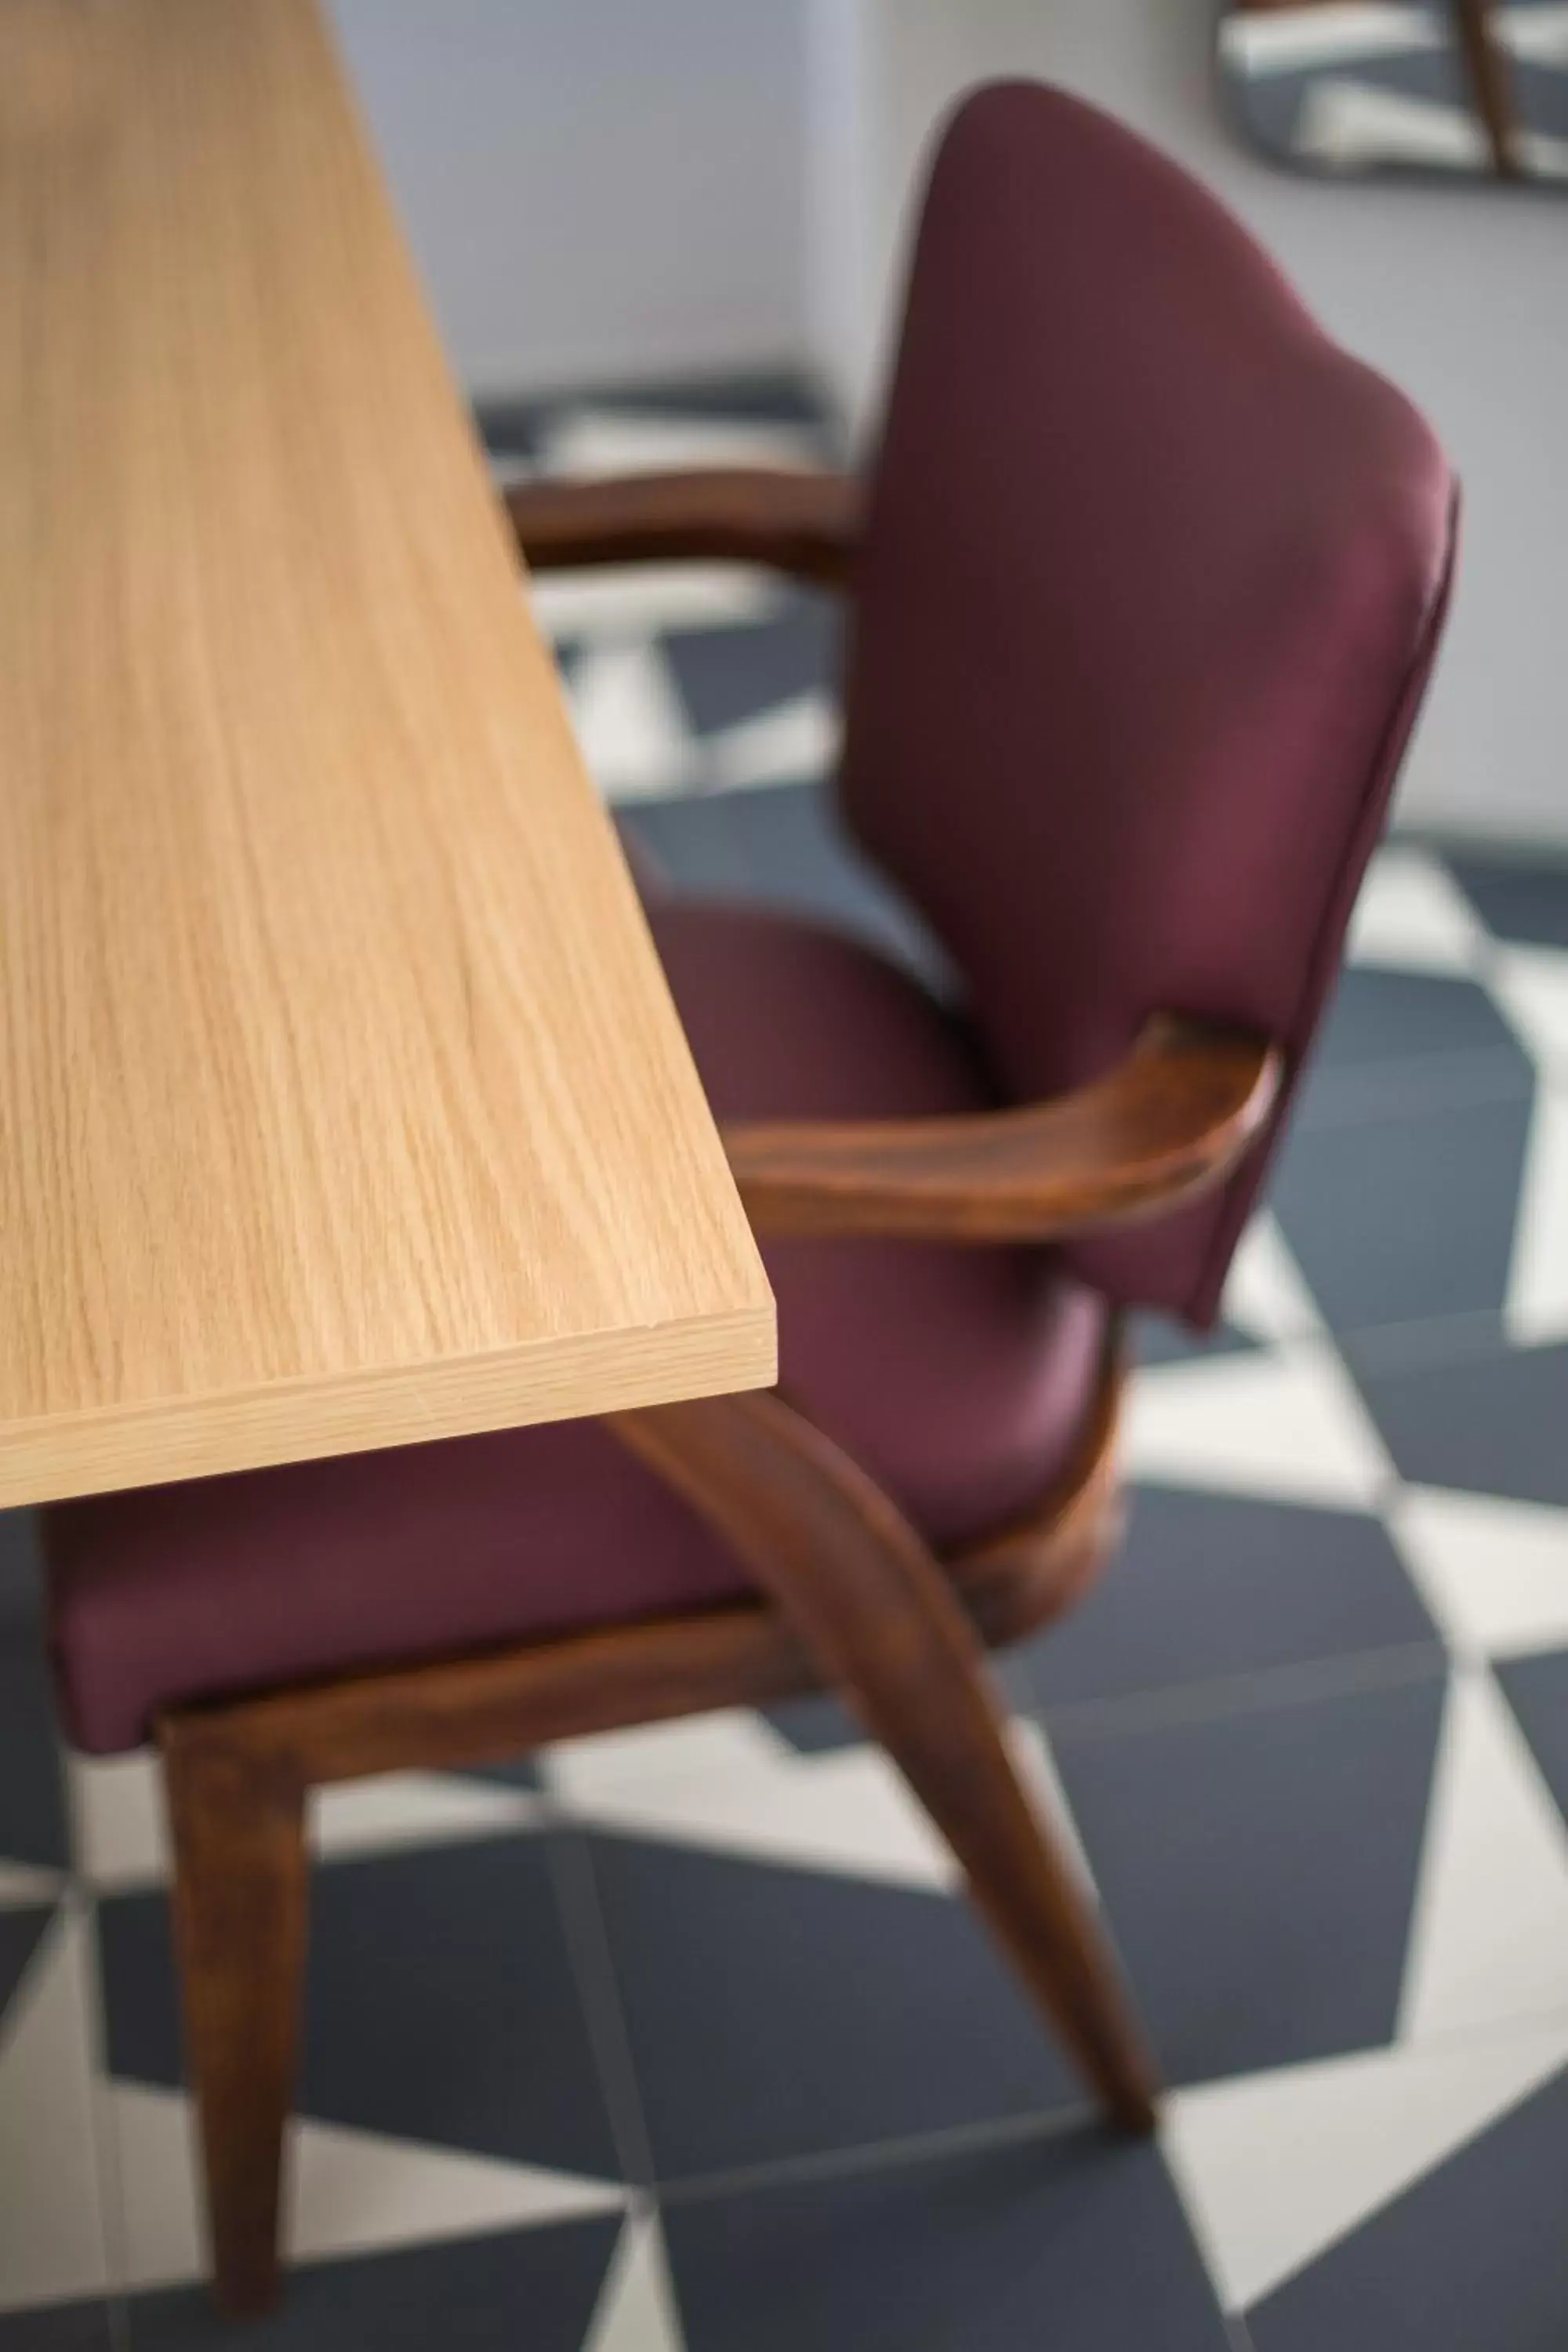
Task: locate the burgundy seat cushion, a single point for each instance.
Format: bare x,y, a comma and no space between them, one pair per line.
957,1377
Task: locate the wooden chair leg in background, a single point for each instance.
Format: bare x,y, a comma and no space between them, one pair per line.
886,1626
241,1895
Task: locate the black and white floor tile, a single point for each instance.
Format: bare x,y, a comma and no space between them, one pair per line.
682,2040
1364,84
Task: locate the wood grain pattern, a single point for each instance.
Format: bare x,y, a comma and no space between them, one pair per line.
1167,1124
342,1101
808,524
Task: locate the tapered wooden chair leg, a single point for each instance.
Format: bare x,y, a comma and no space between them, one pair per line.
240,1912
884,1623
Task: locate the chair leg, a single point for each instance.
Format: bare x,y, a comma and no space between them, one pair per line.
883,1620
240,1908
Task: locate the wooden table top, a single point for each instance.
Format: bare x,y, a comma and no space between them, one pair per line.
341,1102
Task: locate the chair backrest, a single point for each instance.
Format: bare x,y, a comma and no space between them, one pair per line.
1153,577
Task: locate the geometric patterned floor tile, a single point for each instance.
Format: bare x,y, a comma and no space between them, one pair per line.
1284,1423
635,2311
1412,916
20,1930
349,2192
1516,898
526,2288
121,1836
1397,1218
1493,1572
1491,1422
724,679
1206,1587
1380,1018
1535,1308
52,2243
1075,2242
440,2005
1536,1689
775,2013
1489,1935
1276,2168
58,2327
1475,2253
1258,1869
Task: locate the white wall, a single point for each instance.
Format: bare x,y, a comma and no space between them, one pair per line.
1461,297
595,188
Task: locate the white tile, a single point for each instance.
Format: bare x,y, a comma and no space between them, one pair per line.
1535,1308
22,1883
597,441
52,2245
1266,1292
630,723
1299,38
346,2191
120,1830
1538,36
740,1789
1531,984
1273,2168
1489,1933
121,1837
1493,1572
730,1783
797,739
645,598
1412,916
400,1809
1287,1424
637,2311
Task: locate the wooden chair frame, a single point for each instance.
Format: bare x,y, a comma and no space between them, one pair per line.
847,1593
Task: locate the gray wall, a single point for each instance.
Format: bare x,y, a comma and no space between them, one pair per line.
595,188
1461,297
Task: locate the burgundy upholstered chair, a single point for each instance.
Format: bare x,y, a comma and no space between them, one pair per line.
1146,579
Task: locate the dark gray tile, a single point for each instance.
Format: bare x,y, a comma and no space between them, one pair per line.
1259,1871
1209,1586
521,1772
1491,1422
32,1800
782,846
59,2327
1517,899
529,2291
20,1932
725,675
1398,1219
1537,1690
777,2013
1076,2244
1161,1339
441,2004
1474,2254
1392,1016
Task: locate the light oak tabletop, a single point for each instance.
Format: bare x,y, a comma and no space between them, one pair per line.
341,1102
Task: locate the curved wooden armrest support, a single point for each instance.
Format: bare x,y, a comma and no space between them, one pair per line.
883,1620
805,524
1164,1125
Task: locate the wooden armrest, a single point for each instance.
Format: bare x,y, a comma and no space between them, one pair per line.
806,524
1167,1124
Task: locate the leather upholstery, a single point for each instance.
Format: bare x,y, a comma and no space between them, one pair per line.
1151,582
